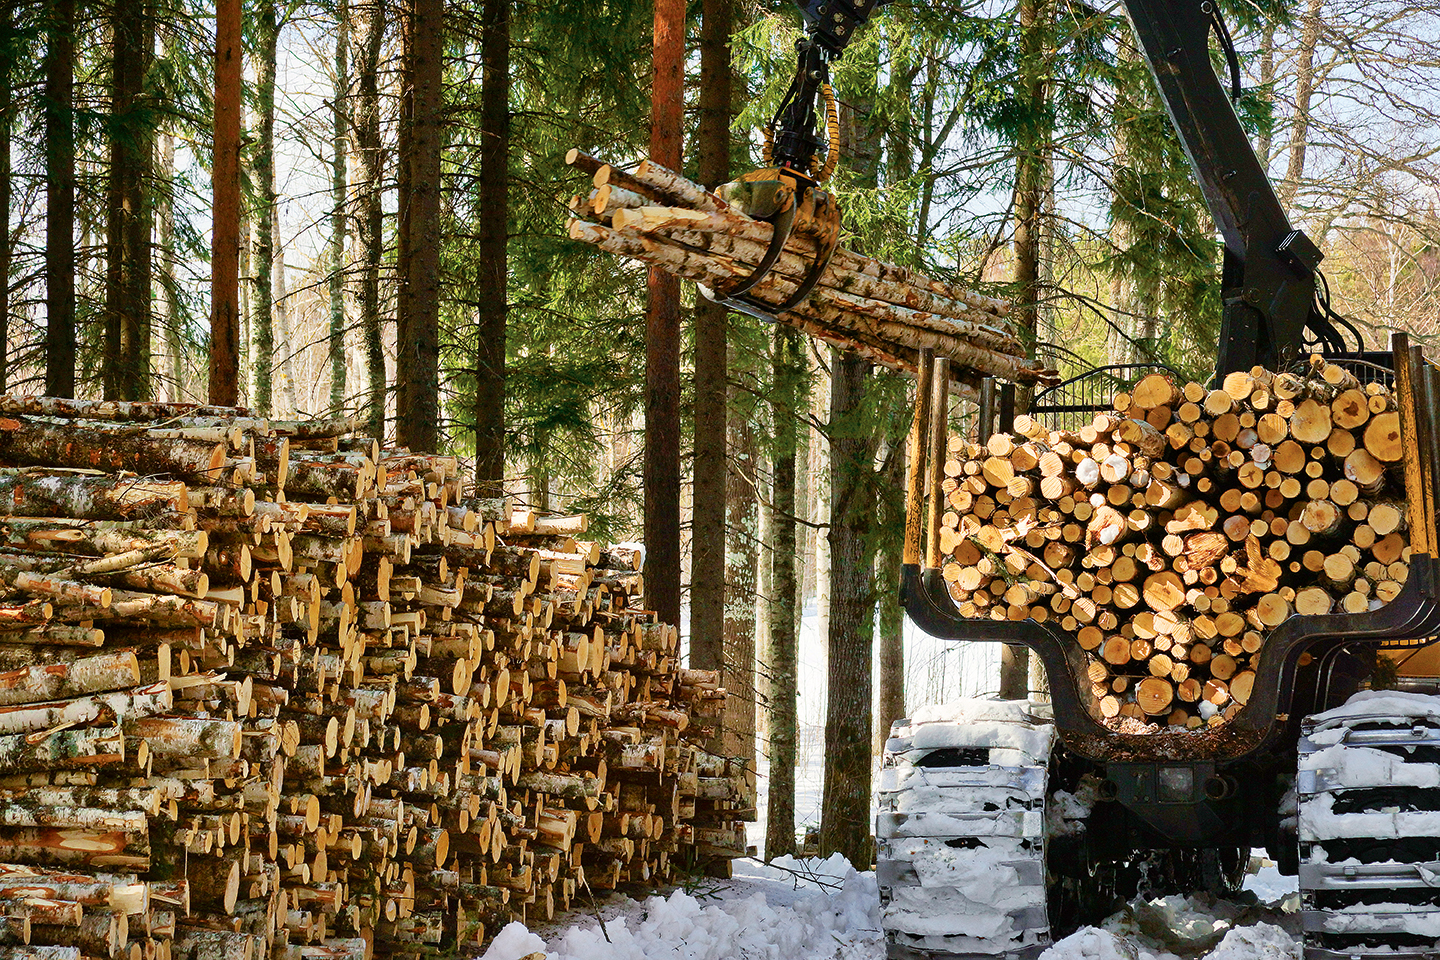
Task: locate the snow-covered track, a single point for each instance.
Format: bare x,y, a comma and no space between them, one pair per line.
960,831
1369,829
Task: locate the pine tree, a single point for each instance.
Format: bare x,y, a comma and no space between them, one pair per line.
126,370
493,247
1304,96
741,559
707,591
225,238
60,199
166,294
783,648
371,218
338,187
417,371
890,639
662,334
264,214
844,827
9,52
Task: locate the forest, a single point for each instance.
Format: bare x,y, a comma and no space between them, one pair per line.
360,207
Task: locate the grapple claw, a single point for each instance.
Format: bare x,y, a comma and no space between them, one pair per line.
790,201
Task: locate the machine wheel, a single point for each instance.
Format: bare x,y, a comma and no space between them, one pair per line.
961,833
1081,889
1222,871
1368,828
1219,871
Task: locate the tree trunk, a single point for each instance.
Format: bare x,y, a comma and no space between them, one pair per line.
7,120
264,215
1120,334
707,551
492,289
371,220
338,177
1304,91
738,672
821,516
60,199
225,236
403,176
845,823
247,306
784,643
1032,151
661,471
1030,165
764,595
1263,144
126,369
284,353
418,341
890,695
165,247
804,503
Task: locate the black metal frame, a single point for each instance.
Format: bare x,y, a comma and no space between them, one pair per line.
1270,267
1097,387
1308,664
1414,613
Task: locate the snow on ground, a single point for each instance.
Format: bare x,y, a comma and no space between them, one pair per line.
1262,923
825,910
790,910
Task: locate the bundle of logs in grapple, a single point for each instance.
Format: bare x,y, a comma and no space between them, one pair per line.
1172,536
879,310
267,690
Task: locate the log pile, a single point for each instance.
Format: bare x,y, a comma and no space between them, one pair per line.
1173,535
287,694
879,310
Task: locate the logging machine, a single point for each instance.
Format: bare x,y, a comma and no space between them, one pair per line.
1048,821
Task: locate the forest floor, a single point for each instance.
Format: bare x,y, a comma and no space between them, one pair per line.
825,910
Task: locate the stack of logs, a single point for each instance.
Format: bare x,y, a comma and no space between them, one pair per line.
1171,537
879,310
271,691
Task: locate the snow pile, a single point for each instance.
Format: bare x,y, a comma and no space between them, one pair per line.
1139,933
1362,766
976,710
1008,728
1066,812
1382,704
1092,943
793,910
514,943
1179,924
1263,941
825,910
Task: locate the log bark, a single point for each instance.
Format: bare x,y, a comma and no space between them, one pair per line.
33,717
64,680
35,494
60,750
26,441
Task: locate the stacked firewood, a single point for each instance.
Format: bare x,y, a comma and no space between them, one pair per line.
879,310
270,690
1173,535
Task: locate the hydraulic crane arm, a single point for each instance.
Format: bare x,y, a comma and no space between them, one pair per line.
1270,270
788,193
830,25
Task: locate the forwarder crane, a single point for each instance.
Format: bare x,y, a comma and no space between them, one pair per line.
1000,830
